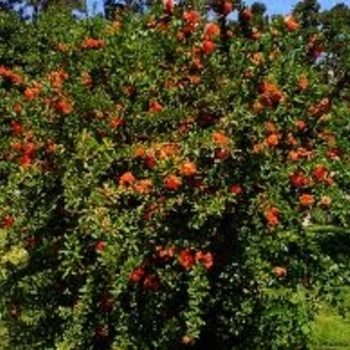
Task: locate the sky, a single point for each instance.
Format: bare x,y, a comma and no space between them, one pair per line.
285,6
95,7
273,6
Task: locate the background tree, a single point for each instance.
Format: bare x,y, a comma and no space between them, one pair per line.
7,5
259,14
308,13
62,4
336,29
259,8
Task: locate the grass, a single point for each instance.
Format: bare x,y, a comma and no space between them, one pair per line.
332,331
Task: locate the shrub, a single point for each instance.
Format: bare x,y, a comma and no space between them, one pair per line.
167,185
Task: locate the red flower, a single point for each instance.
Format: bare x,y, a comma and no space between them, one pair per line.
271,94
292,141
143,186
8,73
150,161
116,122
206,259
272,216
155,107
188,168
280,271
29,148
8,221
320,108
272,140
320,172
197,64
236,189
186,259
298,179
306,199
270,127
63,107
211,31
168,6
127,179
25,160
137,274
303,82
17,128
100,246
291,23
62,47
17,146
31,93
16,78
300,124
191,18
166,253
208,47
91,43
17,108
220,138
139,152
172,182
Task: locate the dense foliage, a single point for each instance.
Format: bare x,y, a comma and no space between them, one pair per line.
168,182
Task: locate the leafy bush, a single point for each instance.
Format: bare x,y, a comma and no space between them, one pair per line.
168,183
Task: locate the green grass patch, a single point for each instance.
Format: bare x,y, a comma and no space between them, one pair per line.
332,331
